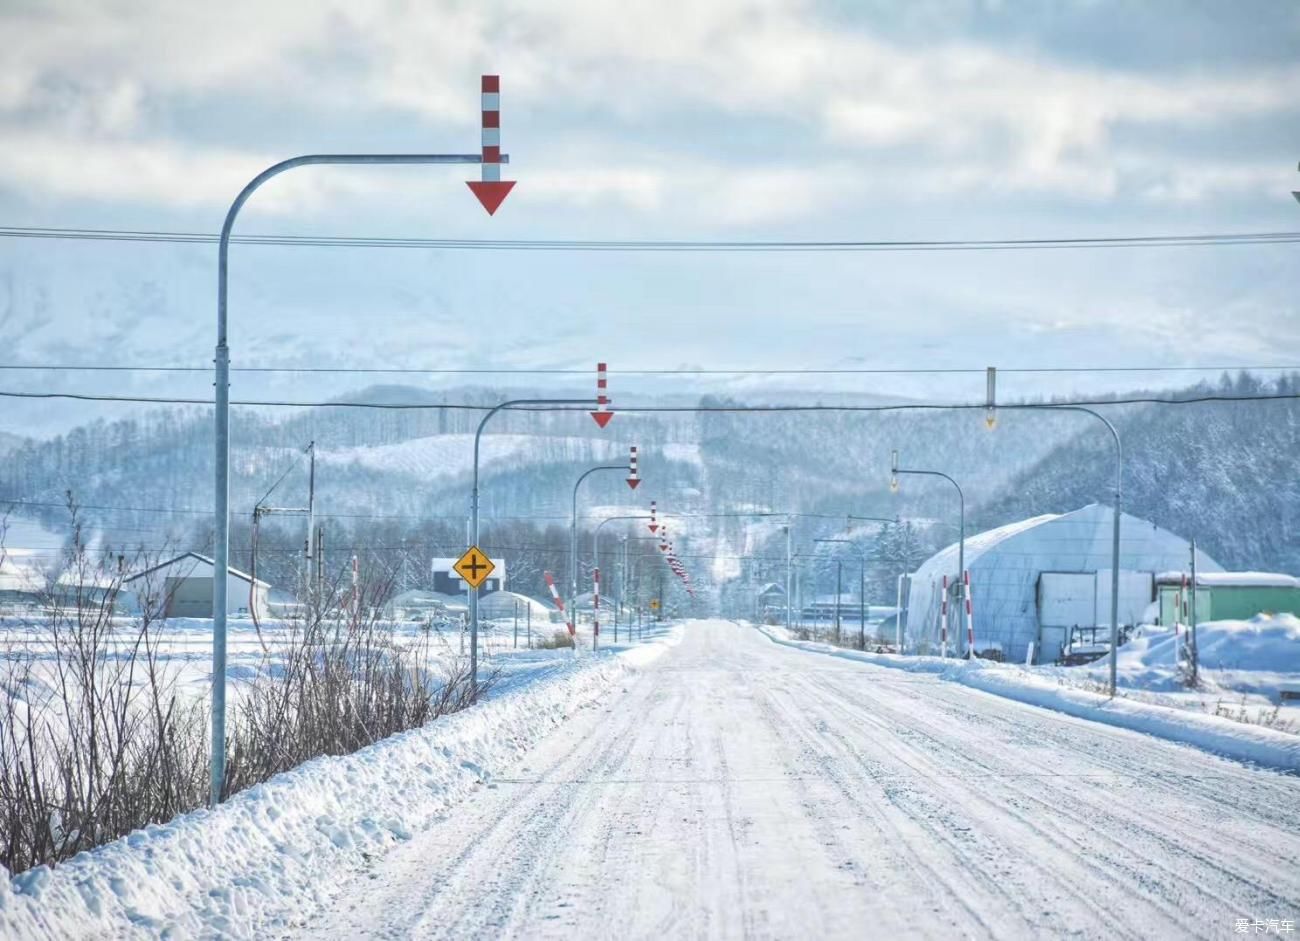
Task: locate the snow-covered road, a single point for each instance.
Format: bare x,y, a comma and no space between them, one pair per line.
743,789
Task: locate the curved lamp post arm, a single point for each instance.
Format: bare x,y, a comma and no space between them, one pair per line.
221,424
961,500
473,514
595,536
573,531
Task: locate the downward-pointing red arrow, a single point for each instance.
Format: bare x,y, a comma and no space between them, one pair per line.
633,482
491,194
654,527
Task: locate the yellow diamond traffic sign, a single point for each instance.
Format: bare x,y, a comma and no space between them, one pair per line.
474,566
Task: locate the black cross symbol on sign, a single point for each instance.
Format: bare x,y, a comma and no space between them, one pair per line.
474,566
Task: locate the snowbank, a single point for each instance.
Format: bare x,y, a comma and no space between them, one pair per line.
276,852
1243,742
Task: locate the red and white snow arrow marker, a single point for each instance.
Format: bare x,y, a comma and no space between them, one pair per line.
491,190
654,517
634,478
602,414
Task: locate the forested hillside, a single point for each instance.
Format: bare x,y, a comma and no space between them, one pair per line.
1224,474
395,483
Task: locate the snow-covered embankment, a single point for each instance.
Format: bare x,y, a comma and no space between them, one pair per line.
1267,747
277,851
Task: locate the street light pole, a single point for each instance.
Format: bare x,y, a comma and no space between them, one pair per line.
221,423
1115,525
895,470
573,541
473,510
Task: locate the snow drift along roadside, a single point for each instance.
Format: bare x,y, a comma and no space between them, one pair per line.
1266,747
276,852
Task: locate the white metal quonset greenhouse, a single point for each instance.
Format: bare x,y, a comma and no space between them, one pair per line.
1032,581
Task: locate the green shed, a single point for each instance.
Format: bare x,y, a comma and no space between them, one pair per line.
1227,596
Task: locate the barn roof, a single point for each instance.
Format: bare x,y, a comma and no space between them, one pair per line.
242,576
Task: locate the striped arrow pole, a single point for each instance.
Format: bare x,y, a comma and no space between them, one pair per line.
634,477
602,414
491,190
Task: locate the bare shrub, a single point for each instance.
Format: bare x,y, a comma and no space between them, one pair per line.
558,640
97,737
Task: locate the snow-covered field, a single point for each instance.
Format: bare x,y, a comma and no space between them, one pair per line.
277,851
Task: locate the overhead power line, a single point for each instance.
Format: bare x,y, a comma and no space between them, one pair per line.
683,371
638,245
653,409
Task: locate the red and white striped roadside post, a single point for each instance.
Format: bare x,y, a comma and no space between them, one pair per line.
595,609
356,590
559,602
943,621
970,618
654,517
634,475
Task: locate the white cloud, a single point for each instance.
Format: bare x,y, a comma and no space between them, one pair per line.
97,82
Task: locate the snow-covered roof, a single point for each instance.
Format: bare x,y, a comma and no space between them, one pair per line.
1086,530
202,559
1231,579
979,543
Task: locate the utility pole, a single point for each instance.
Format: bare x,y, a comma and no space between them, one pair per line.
789,578
1193,653
311,505
839,587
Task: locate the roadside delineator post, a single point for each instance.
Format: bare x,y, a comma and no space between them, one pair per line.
943,621
559,602
970,619
654,517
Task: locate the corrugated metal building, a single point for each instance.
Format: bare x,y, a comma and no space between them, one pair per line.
1227,596
1034,580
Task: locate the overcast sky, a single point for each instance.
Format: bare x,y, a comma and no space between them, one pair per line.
691,120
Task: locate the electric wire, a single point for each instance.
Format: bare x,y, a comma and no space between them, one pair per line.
654,409
666,245
681,371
